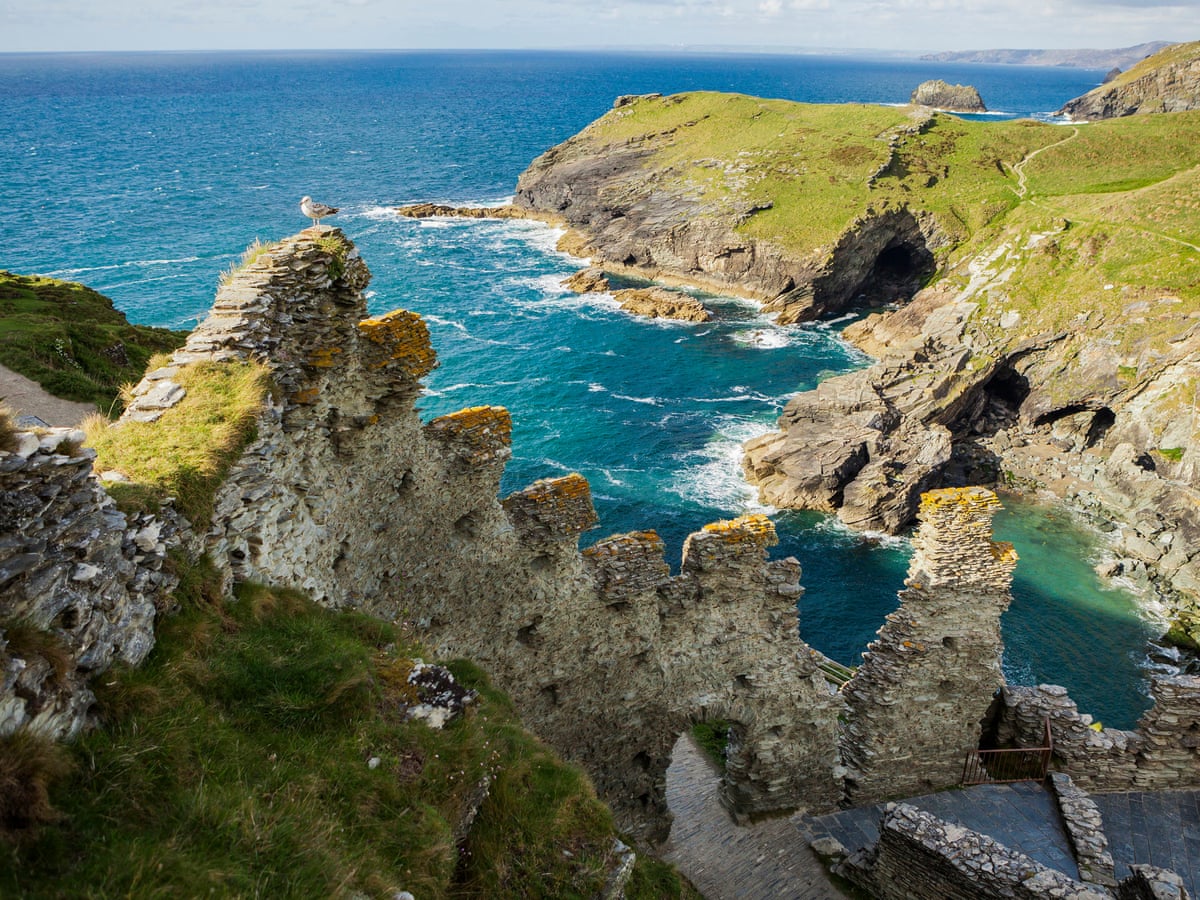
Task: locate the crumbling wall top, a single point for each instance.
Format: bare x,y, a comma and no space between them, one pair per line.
479,434
402,343
552,510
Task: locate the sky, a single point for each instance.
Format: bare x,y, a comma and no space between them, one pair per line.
903,25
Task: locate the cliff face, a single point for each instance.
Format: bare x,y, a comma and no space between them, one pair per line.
1169,81
639,204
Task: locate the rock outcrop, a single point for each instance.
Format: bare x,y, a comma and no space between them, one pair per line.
866,445
429,210
660,303
1168,81
939,94
588,281
636,209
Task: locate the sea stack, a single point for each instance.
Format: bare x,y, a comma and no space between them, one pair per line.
953,97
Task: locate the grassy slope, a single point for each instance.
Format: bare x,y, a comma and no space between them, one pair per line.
71,340
235,763
1127,189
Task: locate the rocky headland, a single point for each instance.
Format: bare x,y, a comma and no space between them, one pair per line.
1168,81
1056,349
939,94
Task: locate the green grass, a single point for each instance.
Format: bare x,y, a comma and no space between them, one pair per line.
252,254
814,163
71,341
234,763
188,451
713,738
1120,198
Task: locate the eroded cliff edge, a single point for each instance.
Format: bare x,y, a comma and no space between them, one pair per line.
1055,347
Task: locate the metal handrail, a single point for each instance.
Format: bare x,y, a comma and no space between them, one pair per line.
1009,765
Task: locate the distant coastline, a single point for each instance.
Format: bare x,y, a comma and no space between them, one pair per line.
1121,58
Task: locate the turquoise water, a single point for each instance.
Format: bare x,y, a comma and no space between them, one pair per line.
144,175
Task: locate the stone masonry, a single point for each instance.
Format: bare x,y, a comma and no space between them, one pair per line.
347,495
79,582
916,704
1162,754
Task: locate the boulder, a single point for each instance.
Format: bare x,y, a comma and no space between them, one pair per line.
659,303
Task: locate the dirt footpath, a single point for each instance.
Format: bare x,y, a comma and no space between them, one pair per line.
27,398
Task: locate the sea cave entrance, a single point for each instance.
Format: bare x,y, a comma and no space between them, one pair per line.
900,269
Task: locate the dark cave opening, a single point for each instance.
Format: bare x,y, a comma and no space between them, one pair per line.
899,271
1009,388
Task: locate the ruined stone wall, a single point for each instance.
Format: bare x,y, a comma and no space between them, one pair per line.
921,857
926,683
346,494
1162,754
79,583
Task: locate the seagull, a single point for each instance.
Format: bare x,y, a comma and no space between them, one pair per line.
316,211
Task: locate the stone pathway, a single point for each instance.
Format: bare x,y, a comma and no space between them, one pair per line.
1162,829
27,398
764,861
1021,816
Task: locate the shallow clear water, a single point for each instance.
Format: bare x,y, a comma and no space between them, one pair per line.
143,175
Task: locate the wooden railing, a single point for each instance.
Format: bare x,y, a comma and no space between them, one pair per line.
1018,764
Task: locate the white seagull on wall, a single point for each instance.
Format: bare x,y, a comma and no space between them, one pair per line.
316,211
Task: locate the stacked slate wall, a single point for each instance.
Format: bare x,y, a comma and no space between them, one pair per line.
346,494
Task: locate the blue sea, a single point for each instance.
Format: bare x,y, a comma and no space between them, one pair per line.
145,175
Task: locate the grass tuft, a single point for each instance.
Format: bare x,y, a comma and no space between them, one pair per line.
713,738
30,765
188,451
8,429
252,254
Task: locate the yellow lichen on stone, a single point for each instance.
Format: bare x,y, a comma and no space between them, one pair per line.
560,507
1004,552
404,339
965,498
324,358
305,396
755,528
477,424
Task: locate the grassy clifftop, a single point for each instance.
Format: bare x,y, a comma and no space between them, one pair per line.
1094,217
71,340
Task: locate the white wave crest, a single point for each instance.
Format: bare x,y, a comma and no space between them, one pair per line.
766,339
648,401
713,474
